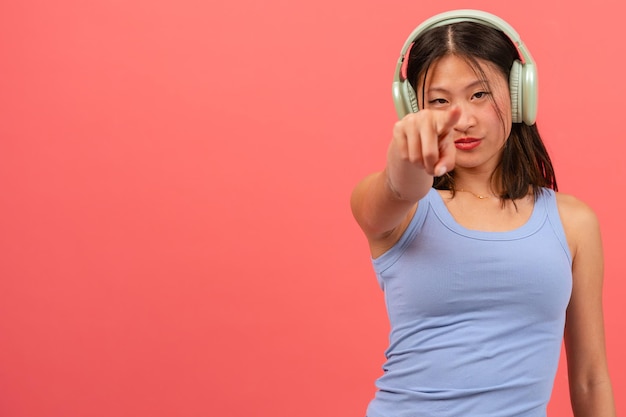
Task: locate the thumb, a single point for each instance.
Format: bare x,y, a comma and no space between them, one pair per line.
447,158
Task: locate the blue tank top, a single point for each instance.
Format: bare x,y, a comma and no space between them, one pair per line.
476,318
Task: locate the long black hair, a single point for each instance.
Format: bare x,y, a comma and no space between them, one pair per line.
525,161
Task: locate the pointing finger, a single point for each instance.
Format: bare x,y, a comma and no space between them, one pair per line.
447,119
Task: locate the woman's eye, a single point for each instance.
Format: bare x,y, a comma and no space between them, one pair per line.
480,94
438,101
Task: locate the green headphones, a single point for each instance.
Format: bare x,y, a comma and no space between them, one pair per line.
522,82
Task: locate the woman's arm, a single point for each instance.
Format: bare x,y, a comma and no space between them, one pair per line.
383,202
591,391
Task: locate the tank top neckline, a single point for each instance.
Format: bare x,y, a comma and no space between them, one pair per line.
532,225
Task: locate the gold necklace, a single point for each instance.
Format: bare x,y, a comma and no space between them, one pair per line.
479,196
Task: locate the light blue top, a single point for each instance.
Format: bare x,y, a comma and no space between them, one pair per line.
476,317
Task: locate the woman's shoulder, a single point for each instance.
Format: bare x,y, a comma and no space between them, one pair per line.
573,207
579,220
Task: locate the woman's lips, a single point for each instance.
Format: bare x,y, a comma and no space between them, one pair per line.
466,144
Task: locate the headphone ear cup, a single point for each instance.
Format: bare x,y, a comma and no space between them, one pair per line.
523,89
410,97
529,94
515,88
404,98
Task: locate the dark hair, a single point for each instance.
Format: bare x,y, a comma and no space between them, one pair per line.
525,161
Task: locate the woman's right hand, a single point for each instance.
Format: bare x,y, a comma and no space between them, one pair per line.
420,149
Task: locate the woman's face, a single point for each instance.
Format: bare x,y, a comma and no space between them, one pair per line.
485,104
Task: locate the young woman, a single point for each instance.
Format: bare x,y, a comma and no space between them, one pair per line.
485,267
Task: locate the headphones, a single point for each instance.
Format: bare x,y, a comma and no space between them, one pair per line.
522,81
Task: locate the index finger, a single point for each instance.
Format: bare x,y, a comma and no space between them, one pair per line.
446,120
445,123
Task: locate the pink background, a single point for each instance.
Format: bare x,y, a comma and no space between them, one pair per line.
175,233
